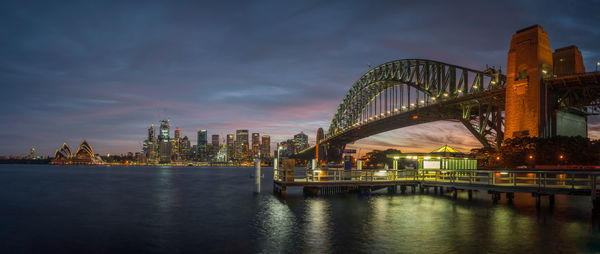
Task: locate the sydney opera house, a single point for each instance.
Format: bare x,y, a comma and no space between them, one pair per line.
83,156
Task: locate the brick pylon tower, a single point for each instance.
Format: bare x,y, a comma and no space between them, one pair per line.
529,61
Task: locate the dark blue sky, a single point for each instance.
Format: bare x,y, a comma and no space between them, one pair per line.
106,70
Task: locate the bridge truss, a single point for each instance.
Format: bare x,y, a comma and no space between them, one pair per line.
412,91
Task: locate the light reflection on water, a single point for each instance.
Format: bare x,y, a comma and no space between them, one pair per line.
166,210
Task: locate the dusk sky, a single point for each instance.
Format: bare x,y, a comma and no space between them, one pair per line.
106,70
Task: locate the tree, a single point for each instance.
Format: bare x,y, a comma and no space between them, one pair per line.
549,151
378,158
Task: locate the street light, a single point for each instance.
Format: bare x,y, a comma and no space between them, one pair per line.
597,64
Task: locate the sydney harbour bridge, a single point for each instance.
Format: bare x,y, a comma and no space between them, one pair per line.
544,94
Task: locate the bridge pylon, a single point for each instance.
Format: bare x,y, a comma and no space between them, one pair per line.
529,62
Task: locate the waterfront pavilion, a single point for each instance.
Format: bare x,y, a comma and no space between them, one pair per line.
444,158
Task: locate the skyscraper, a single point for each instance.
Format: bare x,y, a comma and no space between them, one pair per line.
230,146
300,142
215,140
32,153
163,135
177,133
164,147
213,147
265,147
202,141
185,149
241,140
176,145
255,145
151,135
150,146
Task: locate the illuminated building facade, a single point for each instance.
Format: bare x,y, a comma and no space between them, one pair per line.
150,146
255,145
230,146
300,142
83,156
164,145
32,154
265,147
288,148
186,149
529,109
444,158
215,140
177,133
241,143
529,60
202,143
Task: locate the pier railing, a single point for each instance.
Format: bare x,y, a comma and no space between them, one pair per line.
570,180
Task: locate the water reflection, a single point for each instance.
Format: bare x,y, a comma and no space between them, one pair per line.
317,226
277,223
205,210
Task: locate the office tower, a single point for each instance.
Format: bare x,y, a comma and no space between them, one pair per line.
151,135
288,148
175,156
265,147
300,142
177,133
194,152
164,145
32,153
202,142
255,145
163,135
241,140
185,149
215,140
230,146
150,146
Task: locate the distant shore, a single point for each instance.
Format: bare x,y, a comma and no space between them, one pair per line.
25,161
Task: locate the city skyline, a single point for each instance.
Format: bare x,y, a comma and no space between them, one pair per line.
70,73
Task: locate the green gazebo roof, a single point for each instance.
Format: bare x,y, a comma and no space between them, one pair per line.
446,149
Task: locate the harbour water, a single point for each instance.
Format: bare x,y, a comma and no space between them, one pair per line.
50,209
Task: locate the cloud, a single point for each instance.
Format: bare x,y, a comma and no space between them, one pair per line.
106,70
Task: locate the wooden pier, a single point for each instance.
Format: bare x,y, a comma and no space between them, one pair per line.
496,182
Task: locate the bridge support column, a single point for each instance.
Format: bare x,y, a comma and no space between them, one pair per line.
312,191
495,197
441,191
510,196
551,200
596,205
403,189
435,190
470,194
421,189
538,199
455,194
391,189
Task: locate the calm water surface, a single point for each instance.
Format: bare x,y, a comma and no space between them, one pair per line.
49,209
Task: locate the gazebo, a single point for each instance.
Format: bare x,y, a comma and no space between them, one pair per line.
444,158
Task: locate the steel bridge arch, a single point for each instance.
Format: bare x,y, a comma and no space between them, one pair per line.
432,83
